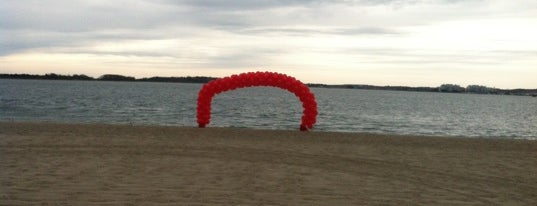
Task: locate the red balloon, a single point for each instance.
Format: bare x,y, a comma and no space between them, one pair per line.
250,79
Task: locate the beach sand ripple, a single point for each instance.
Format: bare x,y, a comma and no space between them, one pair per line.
76,164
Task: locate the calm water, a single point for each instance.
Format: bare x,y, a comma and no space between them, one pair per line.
346,110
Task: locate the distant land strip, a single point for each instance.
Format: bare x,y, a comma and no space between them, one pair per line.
448,88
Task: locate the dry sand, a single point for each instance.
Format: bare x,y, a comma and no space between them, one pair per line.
62,164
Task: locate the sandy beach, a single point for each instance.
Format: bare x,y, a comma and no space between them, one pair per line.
77,164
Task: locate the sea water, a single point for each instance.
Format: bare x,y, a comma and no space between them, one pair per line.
345,110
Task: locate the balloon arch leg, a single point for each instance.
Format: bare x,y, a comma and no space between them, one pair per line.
250,79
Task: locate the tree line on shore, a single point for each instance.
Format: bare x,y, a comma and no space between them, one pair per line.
449,88
444,88
108,77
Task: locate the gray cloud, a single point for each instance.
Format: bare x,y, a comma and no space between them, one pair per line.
264,4
76,25
83,16
248,57
80,16
318,31
239,4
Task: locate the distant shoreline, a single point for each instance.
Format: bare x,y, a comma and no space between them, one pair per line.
445,88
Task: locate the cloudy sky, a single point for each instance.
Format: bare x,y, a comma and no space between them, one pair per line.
379,42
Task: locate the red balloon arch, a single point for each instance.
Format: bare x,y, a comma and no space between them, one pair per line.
250,79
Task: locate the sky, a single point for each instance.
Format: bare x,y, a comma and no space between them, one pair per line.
376,42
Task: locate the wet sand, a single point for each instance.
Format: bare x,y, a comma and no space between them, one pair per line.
74,164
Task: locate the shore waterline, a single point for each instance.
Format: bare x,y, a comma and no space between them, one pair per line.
343,110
